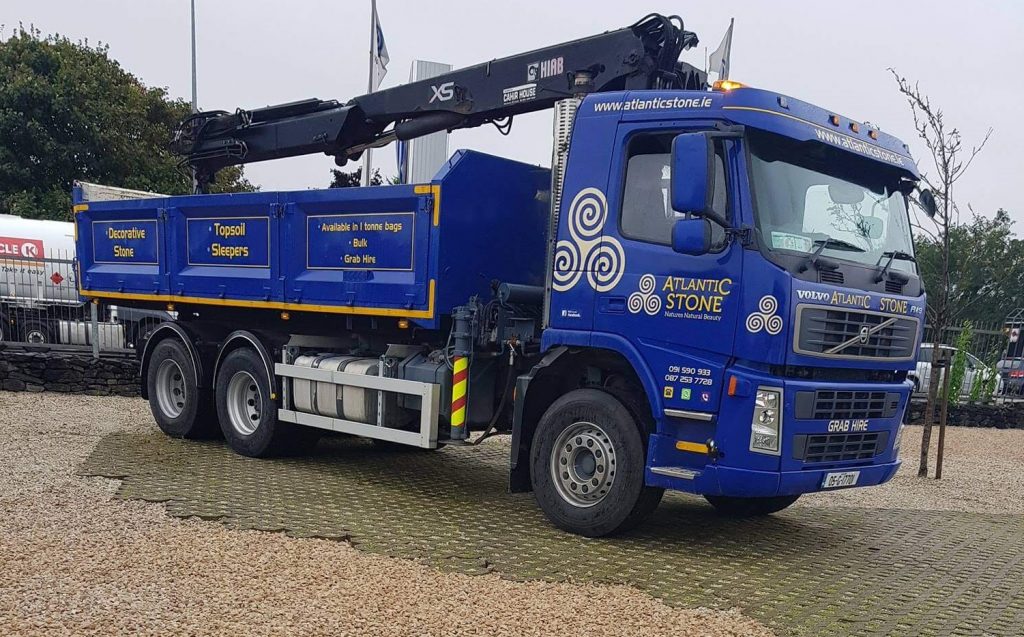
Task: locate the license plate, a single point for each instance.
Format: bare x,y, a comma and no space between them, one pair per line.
841,479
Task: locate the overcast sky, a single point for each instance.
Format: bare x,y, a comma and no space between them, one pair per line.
258,52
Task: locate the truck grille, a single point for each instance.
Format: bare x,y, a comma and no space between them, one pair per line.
831,276
854,334
894,287
846,405
824,448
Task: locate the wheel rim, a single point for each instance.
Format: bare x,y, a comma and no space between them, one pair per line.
35,335
170,388
244,403
583,464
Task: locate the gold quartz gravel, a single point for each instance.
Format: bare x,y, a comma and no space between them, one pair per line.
982,472
74,560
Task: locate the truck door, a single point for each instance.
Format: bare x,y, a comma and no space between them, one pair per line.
679,311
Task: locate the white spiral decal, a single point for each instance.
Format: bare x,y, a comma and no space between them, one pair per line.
765,318
644,299
602,258
587,214
604,264
568,266
636,303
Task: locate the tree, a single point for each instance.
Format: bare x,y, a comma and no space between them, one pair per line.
68,112
354,179
988,261
950,160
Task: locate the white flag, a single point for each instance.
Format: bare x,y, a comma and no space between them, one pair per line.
378,53
719,60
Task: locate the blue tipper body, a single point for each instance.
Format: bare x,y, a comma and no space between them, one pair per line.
407,251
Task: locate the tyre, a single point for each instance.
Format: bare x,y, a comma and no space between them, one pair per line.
587,465
34,330
750,507
181,408
248,415
5,328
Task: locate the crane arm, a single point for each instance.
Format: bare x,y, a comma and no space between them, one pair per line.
642,56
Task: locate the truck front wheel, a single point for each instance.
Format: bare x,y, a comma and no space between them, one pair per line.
750,507
181,409
587,465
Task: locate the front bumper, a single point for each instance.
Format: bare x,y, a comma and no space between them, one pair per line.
730,481
732,468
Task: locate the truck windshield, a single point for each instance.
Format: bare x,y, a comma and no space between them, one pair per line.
808,193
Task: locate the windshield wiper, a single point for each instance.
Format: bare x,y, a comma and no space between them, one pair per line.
893,255
828,242
838,244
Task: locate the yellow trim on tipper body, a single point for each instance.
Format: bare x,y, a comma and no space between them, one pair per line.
272,305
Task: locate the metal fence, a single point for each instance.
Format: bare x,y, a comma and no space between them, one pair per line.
988,344
40,305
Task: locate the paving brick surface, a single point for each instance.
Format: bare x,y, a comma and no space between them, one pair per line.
804,571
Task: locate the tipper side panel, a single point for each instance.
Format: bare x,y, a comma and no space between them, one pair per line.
344,251
368,249
120,247
223,246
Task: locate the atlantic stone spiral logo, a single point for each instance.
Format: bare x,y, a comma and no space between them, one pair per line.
765,318
644,299
602,258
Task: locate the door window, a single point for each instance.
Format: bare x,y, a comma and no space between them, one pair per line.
646,212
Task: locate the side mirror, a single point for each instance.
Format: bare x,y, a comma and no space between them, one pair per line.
928,204
693,176
692,236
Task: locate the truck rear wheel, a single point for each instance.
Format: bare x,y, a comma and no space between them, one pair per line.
181,408
750,507
248,414
587,465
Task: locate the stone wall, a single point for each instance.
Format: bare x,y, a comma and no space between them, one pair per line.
1005,416
34,370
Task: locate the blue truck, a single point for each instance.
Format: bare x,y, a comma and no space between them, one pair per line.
712,290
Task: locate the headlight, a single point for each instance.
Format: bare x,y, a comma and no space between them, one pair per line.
899,439
766,426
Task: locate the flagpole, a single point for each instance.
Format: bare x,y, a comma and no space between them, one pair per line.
195,107
367,158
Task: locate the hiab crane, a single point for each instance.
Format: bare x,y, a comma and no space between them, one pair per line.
643,56
698,295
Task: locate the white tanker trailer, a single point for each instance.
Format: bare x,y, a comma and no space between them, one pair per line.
39,300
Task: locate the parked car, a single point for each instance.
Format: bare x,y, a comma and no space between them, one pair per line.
976,371
1011,373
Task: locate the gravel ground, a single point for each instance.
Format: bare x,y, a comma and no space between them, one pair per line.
982,472
75,561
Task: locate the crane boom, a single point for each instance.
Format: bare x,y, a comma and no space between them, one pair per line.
642,56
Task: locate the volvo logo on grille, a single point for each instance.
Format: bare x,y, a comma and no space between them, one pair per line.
863,335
